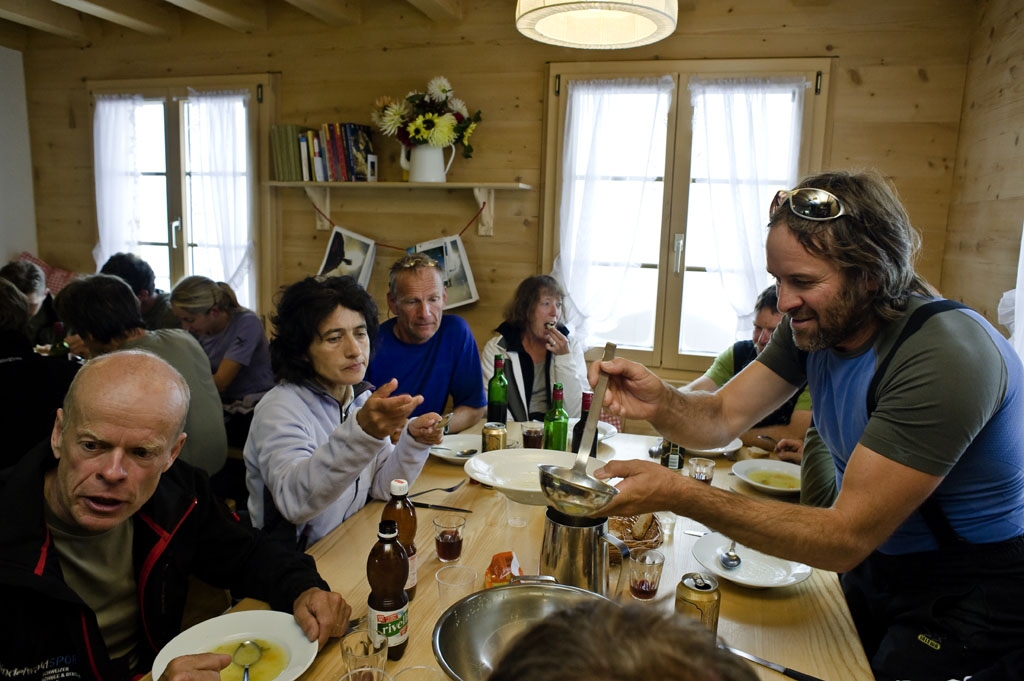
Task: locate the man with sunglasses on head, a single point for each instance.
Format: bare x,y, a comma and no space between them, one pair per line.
430,353
921,404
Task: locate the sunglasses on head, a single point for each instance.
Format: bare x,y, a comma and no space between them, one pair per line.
809,203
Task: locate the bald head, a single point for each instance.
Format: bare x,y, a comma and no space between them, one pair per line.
120,430
128,371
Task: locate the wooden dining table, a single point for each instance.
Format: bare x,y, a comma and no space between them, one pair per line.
804,626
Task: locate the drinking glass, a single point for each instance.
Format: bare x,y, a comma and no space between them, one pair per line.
516,514
702,470
454,582
360,649
420,673
533,435
366,674
645,573
448,537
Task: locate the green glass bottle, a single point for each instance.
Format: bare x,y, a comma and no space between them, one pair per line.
497,393
556,422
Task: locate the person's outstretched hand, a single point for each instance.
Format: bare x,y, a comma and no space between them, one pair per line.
321,614
788,449
200,667
384,413
424,429
633,390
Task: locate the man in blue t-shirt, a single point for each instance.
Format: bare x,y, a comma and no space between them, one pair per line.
430,354
920,402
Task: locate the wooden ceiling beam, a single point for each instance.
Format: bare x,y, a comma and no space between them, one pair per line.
441,10
144,17
332,12
244,16
45,16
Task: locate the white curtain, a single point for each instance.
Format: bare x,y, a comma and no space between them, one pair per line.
117,175
751,152
220,195
635,151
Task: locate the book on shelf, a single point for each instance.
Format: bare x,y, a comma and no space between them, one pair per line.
338,145
328,152
358,144
287,154
304,156
318,157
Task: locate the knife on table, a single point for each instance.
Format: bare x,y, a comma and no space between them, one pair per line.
785,671
439,507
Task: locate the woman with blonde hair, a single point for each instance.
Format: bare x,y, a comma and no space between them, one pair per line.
235,342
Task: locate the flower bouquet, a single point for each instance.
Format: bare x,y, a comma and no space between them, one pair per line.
433,117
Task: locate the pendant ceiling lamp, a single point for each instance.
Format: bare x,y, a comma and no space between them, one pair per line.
597,24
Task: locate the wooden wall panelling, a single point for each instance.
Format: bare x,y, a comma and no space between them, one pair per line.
983,239
335,73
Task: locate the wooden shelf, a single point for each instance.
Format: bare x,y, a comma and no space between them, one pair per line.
320,194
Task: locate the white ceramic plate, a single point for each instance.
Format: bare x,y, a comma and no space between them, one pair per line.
757,570
604,430
716,451
514,472
456,443
744,469
269,625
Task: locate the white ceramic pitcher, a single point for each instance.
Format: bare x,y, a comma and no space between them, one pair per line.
426,163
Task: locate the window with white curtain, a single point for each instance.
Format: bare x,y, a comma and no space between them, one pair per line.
662,175
175,177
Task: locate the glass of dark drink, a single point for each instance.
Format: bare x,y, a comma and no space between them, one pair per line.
533,435
448,537
645,573
702,470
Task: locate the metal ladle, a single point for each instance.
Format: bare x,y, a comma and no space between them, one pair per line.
573,491
247,654
729,558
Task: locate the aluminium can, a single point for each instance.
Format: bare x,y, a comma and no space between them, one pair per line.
698,596
494,436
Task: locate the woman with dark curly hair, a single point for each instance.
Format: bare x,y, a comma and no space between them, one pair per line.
539,351
321,440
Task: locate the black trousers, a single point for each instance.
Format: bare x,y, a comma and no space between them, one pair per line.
939,615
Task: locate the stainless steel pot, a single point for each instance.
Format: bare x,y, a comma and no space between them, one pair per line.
470,637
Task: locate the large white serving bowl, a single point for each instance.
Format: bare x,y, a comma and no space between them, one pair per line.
514,472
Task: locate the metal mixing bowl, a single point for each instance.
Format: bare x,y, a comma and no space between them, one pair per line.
470,637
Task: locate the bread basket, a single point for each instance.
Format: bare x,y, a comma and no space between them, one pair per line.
622,527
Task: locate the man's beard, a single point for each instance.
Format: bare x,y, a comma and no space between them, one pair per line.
840,320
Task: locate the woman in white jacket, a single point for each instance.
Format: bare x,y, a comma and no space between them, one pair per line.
321,440
539,352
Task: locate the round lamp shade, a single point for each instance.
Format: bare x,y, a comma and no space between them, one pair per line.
597,24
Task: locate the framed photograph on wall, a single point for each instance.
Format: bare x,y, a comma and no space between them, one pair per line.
458,277
349,254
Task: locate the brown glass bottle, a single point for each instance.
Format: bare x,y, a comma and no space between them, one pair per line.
401,510
387,568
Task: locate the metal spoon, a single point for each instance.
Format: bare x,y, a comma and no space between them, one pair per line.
247,653
769,439
573,491
729,559
466,452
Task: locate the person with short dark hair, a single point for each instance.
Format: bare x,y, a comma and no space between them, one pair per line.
601,640
430,353
321,443
103,527
539,351
30,279
154,304
102,309
792,419
33,385
920,401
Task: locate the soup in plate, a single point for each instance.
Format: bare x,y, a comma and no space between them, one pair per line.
775,479
270,665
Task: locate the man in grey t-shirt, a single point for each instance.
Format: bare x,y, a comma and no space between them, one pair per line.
922,408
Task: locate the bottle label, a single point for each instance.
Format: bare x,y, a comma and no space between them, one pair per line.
392,624
411,581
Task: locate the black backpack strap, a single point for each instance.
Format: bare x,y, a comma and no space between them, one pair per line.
930,510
